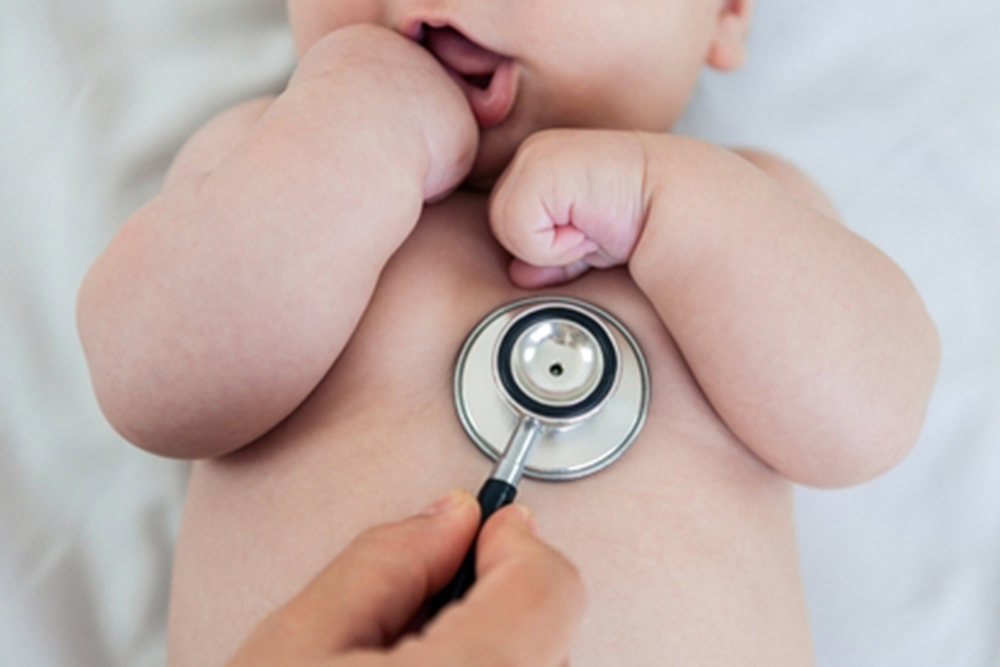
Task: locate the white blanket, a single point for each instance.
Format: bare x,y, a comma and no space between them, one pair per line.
894,107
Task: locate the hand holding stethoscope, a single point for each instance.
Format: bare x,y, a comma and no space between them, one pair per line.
563,383
556,389
525,610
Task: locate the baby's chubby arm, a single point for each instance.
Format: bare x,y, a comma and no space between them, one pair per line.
222,302
814,348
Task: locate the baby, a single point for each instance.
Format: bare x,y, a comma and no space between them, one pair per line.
289,308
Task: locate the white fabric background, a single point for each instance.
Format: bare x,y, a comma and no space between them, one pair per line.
894,107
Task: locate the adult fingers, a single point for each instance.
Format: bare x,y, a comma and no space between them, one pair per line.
524,609
369,593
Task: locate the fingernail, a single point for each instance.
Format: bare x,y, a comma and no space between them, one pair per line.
446,503
525,516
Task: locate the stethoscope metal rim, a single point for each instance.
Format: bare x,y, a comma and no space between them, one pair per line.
630,358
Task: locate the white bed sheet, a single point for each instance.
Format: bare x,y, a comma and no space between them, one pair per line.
894,107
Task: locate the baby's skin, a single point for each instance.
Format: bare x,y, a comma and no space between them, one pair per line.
289,308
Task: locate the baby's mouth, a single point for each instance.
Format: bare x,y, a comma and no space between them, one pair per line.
488,79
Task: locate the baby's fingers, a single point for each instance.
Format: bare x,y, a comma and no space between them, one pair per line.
570,200
530,277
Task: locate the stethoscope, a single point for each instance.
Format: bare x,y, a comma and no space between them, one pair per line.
553,388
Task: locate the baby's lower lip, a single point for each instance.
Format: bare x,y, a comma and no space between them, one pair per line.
491,105
488,78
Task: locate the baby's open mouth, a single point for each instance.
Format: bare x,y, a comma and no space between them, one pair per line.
488,79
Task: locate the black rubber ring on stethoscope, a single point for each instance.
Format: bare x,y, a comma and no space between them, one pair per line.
599,393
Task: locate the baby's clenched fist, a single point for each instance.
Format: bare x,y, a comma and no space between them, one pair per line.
570,200
401,86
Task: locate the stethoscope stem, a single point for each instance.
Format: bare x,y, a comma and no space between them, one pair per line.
498,491
510,467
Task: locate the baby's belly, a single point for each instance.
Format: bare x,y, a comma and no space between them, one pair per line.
686,544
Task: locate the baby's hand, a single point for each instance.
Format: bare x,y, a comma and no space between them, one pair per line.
570,200
403,89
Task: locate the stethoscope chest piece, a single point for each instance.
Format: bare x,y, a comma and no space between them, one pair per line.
554,388
563,367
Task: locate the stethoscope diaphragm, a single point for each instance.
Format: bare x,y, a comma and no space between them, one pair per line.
556,364
568,363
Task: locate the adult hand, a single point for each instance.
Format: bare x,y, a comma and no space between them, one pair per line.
524,609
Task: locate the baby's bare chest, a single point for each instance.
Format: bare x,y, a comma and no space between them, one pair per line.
447,276
380,437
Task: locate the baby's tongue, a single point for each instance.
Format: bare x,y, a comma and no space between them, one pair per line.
457,52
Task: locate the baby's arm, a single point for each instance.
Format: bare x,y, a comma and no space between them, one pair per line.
221,303
813,347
